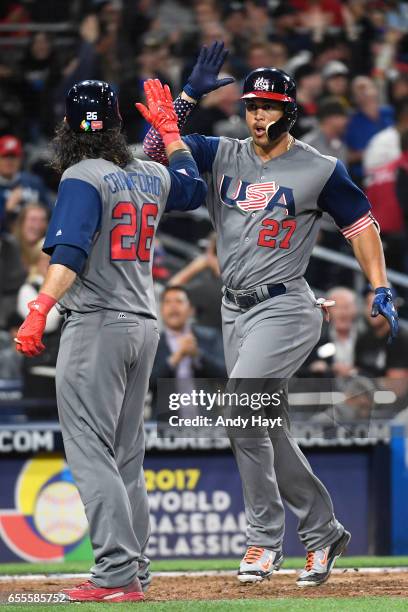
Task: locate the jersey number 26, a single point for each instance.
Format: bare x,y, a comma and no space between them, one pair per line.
123,243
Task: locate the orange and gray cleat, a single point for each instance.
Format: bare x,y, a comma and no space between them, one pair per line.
259,563
319,563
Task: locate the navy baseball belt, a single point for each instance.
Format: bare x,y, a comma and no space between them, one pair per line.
247,298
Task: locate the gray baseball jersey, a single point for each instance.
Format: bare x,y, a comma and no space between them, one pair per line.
112,215
267,214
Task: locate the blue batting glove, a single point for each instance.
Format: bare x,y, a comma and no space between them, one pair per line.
204,79
383,305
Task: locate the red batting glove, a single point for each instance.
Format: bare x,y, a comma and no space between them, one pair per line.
28,340
160,111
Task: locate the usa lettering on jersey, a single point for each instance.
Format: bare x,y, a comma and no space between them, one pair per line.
257,196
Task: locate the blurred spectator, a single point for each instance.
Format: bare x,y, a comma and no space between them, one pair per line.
175,17
328,12
309,88
374,356
258,19
83,64
41,73
12,117
334,353
12,275
235,23
218,114
10,359
327,137
49,11
385,146
258,55
30,289
388,209
160,268
185,351
109,14
401,185
151,63
203,281
138,17
17,187
357,406
286,29
399,88
369,119
30,227
39,372
336,82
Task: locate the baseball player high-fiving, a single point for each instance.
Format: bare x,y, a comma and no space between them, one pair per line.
100,241
266,196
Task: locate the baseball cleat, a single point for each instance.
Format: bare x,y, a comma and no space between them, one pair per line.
319,563
259,563
88,591
143,573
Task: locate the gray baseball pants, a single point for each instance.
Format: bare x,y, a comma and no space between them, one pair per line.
272,340
103,370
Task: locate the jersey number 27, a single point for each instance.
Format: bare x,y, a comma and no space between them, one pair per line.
123,243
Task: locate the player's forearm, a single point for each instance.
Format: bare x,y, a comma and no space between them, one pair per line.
58,280
369,253
187,98
176,145
189,272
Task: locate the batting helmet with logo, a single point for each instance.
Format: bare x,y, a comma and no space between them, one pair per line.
273,84
92,106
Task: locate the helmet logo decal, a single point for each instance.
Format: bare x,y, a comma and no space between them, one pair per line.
85,125
262,84
96,125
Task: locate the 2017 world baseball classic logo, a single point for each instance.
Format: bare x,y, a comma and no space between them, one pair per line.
195,512
43,518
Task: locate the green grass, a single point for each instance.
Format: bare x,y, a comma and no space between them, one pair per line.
73,567
358,604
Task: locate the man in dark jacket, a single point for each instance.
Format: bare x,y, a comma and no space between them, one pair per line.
185,351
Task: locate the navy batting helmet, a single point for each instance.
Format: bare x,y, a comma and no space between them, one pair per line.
92,106
273,84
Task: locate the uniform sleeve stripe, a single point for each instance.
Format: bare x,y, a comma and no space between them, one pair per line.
358,226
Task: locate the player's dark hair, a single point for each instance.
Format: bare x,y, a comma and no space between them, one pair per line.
169,288
71,148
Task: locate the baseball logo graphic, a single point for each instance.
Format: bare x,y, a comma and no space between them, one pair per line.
85,125
59,515
261,84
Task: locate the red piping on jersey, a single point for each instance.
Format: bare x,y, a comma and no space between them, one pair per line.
358,226
268,94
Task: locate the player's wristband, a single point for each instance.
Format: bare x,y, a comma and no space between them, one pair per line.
170,137
42,304
192,93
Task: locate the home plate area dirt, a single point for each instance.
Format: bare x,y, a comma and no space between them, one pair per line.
350,583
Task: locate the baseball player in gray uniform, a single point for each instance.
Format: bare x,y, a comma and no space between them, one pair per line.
100,241
266,196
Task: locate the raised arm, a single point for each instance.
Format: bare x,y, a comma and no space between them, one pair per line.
203,80
187,189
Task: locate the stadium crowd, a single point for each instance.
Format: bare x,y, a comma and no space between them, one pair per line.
350,62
